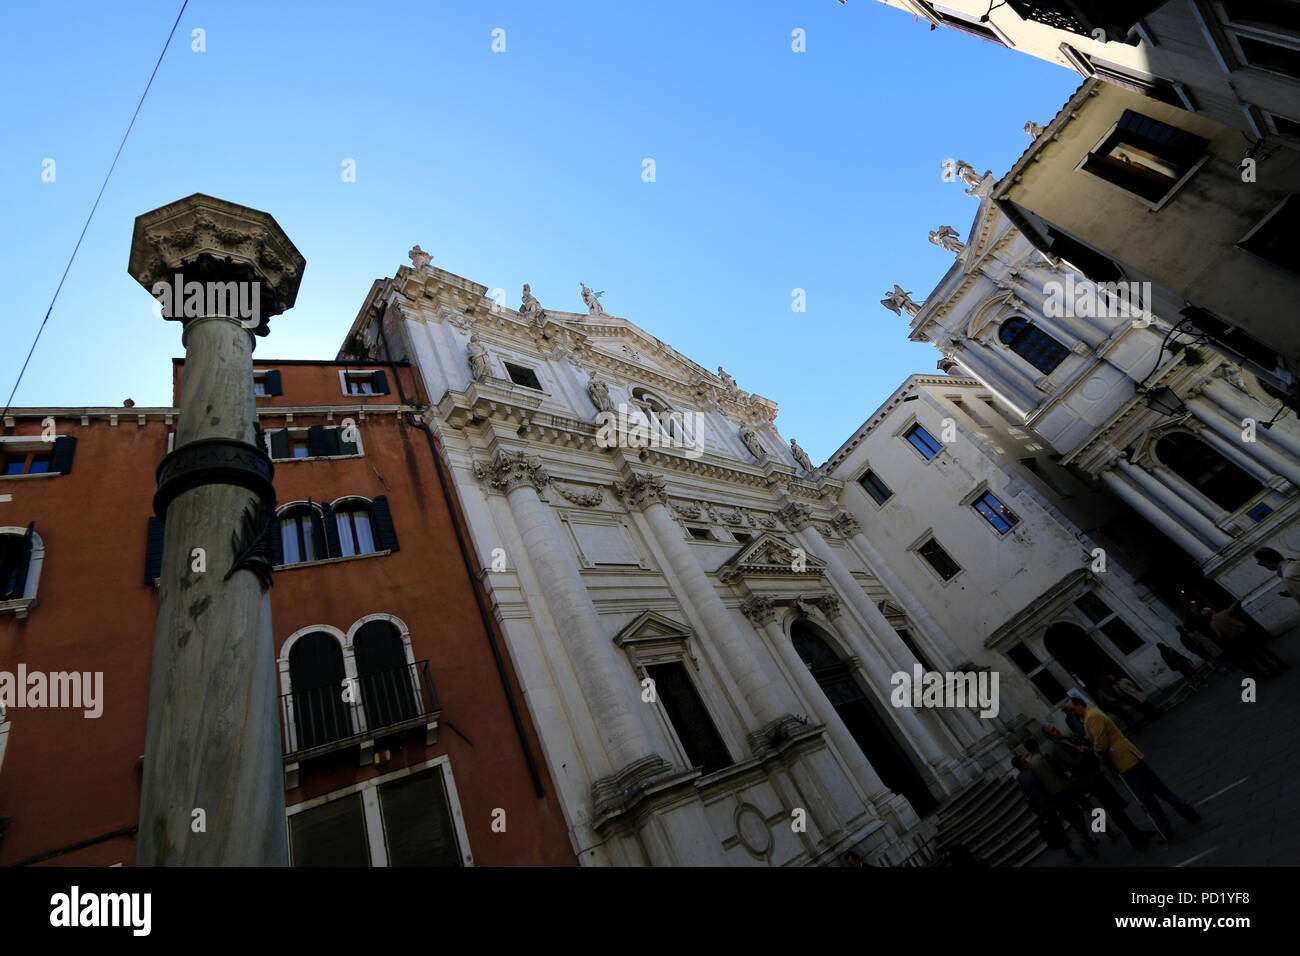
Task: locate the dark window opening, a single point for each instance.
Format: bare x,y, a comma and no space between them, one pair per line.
1277,238
879,491
1144,156
1037,672
939,559
1032,344
1093,607
523,376
702,534
319,714
1223,482
1121,635
418,827
333,834
688,716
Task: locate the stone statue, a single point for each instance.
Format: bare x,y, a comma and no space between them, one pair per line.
899,302
728,382
946,237
478,359
529,305
1232,375
598,392
966,173
593,304
419,258
750,439
801,456
1034,130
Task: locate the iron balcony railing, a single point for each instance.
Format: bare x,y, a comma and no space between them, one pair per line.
1114,18
321,719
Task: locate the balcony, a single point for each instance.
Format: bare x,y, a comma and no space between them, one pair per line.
324,720
1115,18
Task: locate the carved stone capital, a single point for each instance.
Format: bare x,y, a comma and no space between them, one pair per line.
828,604
641,491
796,515
846,523
759,609
509,470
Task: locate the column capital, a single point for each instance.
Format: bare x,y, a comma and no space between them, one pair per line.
509,470
828,604
797,515
640,491
759,609
846,523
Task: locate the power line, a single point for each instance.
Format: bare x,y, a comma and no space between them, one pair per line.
68,267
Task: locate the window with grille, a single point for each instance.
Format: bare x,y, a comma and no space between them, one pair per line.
1032,344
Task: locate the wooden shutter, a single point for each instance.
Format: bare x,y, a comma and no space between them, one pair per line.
277,542
61,456
331,527
346,447
333,443
385,533
316,440
273,383
418,828
379,382
17,560
280,443
333,834
320,542
153,551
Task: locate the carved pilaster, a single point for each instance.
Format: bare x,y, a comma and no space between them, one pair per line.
846,524
759,609
640,491
509,469
796,515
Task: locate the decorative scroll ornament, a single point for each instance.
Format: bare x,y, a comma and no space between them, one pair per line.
251,542
587,499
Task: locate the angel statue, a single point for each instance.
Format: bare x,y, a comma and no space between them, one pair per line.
899,301
592,299
946,237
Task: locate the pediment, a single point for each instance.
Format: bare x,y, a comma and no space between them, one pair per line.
770,556
650,627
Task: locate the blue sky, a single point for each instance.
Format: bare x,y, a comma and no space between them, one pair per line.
775,170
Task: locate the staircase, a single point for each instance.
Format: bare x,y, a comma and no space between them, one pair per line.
991,819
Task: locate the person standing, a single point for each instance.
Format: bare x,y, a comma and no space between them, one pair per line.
1288,569
1050,827
1110,744
1132,696
1177,662
1074,756
1066,797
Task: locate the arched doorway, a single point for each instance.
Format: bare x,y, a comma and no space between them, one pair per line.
385,678
316,676
1074,649
871,732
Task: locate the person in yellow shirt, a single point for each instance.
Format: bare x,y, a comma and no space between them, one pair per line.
1113,748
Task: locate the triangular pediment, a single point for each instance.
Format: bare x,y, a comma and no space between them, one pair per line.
651,626
771,556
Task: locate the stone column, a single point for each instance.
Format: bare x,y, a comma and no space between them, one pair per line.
1213,416
990,368
614,704
212,744
889,654
761,612
1240,405
1181,503
1135,498
1233,452
768,699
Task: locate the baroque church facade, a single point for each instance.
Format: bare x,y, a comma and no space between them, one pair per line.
701,641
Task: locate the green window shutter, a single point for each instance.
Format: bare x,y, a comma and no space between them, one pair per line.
316,441
333,444
61,456
273,383
347,447
318,532
15,568
379,382
277,542
153,551
385,533
331,527
280,443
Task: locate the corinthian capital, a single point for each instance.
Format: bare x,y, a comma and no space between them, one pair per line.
846,523
796,515
759,609
641,491
509,469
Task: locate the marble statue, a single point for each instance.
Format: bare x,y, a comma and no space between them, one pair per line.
478,359
801,456
750,439
899,302
1034,130
419,258
946,237
728,382
529,305
593,304
598,392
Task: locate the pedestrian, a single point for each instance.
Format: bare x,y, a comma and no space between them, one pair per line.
1067,797
1204,648
1132,767
1133,697
1073,720
1050,827
1239,646
1288,569
1109,698
1177,662
1074,755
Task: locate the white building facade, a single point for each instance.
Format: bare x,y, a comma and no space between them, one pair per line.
702,645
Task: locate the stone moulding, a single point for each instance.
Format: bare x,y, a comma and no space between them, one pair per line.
213,461
614,794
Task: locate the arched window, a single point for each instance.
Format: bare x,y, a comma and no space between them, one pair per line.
316,677
1223,482
656,409
352,517
388,681
1032,344
302,535
21,554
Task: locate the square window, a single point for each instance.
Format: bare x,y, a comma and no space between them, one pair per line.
1259,512
1144,156
300,448
742,537
962,22
1121,635
923,441
1093,607
1275,237
877,489
40,463
521,375
15,464
1266,55
1002,518
939,559
702,534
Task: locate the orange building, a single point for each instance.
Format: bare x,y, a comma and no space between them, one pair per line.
404,734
